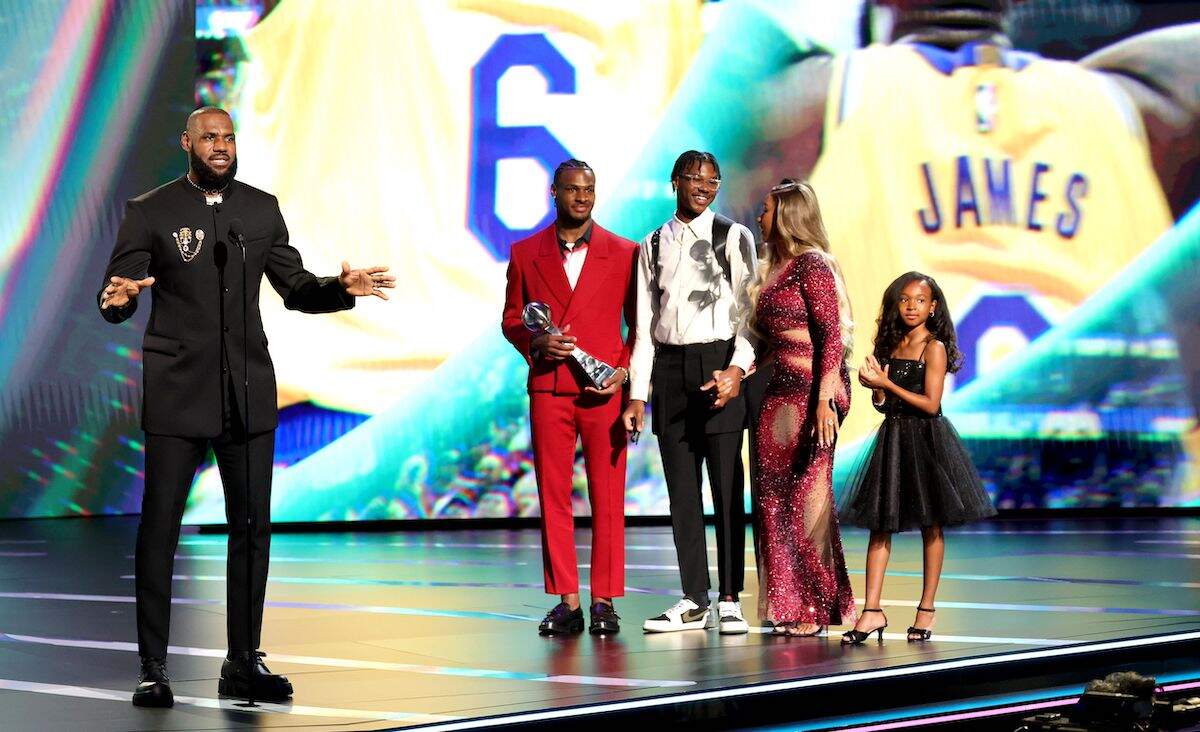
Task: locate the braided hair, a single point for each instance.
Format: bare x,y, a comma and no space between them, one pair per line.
692,158
571,164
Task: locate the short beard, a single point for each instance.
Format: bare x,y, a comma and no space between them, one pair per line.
566,217
207,178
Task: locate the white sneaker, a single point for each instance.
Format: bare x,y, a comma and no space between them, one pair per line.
683,615
730,618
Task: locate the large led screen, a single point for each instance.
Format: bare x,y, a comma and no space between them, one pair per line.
1049,187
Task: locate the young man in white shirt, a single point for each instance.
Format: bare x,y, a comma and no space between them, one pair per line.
692,350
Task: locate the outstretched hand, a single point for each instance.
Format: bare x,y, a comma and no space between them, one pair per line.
120,290
369,281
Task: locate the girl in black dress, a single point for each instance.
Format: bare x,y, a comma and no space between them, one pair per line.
917,473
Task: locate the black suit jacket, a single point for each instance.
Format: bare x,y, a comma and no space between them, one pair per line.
192,350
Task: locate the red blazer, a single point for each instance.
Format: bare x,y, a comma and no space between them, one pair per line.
603,294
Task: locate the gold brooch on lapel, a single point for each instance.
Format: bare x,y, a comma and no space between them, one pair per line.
183,240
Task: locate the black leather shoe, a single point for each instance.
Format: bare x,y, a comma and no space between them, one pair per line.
605,620
154,688
562,620
245,676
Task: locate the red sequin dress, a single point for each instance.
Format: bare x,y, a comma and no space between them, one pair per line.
804,572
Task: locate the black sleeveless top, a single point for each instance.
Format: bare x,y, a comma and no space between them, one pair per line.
910,376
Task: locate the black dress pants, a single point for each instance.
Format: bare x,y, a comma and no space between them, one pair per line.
691,436
171,464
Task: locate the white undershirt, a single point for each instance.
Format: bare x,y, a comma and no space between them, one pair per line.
573,259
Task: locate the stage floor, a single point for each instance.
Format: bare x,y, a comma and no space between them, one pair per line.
384,630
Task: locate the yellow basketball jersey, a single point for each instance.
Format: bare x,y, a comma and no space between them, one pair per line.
397,185
991,171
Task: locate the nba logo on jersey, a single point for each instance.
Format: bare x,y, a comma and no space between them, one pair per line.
985,106
1020,182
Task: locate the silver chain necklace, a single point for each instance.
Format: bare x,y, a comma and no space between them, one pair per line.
210,197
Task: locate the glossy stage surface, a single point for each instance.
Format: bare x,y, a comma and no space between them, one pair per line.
387,630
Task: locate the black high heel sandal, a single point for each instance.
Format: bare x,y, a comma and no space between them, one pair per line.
922,634
857,637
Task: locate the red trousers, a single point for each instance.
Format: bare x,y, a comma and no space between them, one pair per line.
556,421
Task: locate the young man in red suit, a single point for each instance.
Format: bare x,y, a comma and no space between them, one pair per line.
586,275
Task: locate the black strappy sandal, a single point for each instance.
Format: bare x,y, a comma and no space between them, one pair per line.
920,635
857,637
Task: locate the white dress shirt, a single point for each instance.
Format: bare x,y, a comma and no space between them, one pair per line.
573,258
692,302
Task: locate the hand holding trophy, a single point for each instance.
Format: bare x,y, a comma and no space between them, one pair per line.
536,317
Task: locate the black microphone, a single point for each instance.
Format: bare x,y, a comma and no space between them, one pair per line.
237,233
216,208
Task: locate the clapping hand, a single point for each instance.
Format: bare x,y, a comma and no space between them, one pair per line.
872,375
369,281
120,290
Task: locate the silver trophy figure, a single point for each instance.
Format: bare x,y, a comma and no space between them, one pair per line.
536,317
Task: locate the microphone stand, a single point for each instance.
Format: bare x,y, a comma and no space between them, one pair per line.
239,239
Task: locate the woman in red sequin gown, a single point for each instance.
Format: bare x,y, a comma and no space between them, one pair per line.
801,311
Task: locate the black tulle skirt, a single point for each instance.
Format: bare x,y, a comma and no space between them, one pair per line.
916,473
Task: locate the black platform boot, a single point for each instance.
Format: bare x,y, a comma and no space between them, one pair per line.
244,675
154,688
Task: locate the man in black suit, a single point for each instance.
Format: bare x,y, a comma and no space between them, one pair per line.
208,380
